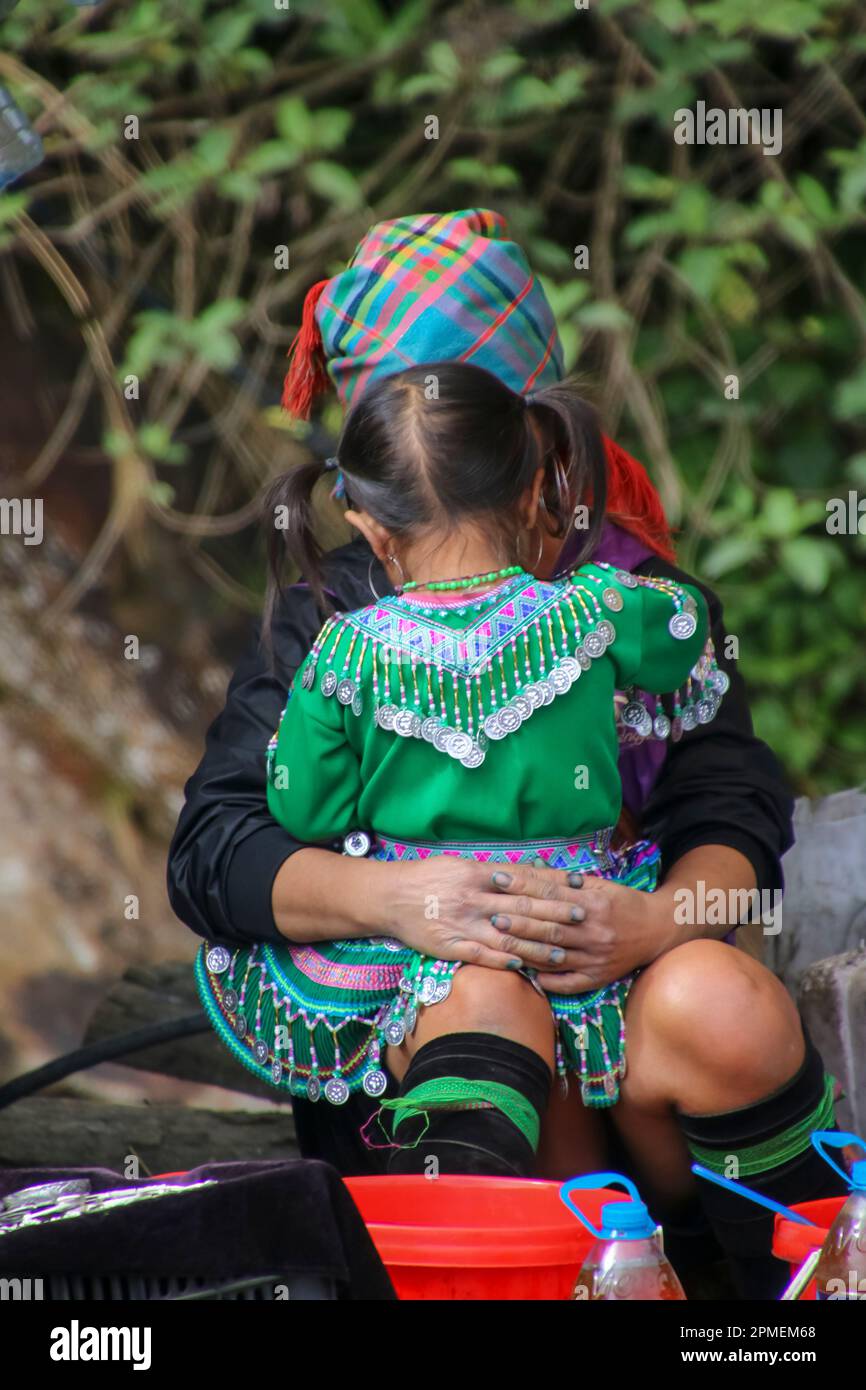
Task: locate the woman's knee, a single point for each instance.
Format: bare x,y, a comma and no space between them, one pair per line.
490,1001
709,1005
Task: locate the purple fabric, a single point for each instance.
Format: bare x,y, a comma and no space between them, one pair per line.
639,765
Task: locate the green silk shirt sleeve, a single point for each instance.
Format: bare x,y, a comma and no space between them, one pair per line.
315,776
651,657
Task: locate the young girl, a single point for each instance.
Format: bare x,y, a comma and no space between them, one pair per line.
470,714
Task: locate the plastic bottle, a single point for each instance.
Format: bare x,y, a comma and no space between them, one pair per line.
841,1269
627,1261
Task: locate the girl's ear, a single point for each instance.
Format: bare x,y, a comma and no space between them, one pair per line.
530,500
373,532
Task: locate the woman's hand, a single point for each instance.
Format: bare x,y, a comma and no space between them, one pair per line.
578,932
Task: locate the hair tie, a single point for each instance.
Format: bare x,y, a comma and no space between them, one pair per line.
332,462
530,398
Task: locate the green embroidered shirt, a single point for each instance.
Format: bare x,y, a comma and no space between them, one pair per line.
488,721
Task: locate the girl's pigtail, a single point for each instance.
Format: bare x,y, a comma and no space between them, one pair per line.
574,438
287,511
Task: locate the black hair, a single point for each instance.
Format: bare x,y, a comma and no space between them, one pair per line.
438,444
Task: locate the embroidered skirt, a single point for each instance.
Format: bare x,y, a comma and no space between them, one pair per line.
315,1020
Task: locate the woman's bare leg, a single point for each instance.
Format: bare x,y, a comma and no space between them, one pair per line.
709,1030
482,1001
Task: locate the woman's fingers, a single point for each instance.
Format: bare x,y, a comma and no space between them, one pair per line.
571,982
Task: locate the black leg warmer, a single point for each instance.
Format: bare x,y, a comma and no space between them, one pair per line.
483,1139
765,1146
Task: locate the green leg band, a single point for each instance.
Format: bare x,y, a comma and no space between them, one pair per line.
771,1153
456,1093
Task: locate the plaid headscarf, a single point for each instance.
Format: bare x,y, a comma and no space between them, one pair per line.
446,286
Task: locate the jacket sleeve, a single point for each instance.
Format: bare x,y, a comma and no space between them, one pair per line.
227,847
314,776
720,785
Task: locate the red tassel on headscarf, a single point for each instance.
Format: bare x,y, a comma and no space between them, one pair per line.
633,502
306,376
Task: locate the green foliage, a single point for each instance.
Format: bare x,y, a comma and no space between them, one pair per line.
261,127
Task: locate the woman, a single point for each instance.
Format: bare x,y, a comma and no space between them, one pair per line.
718,1063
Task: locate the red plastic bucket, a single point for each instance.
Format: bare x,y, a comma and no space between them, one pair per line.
793,1242
476,1238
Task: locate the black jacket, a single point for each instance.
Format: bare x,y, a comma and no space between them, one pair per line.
718,785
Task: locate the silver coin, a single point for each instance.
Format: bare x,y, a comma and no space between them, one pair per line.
612,599
385,716
474,758
533,694
585,1092
218,959
417,721
645,727
721,681
661,726
609,1084
357,844
441,991
493,725
705,711
632,715
309,675
459,744
428,728
594,644
682,625
410,1018
375,1082
276,1071
328,683
582,657
689,605
440,738
690,718
240,1027
346,690
336,1091
629,580
676,729
606,630
403,723
509,719
394,1032
523,705
260,1051
230,1001
560,680
314,1088
357,703
572,666
548,694
427,990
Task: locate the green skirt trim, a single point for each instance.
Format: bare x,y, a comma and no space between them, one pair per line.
315,1020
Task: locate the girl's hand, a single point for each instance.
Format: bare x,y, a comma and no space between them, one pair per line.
579,933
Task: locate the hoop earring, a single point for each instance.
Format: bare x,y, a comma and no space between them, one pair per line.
395,561
370,584
540,548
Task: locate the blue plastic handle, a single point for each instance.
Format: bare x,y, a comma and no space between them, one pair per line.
744,1191
594,1180
833,1138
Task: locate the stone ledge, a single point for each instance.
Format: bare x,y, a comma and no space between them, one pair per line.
832,999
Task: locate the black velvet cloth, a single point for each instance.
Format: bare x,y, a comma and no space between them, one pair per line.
267,1218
